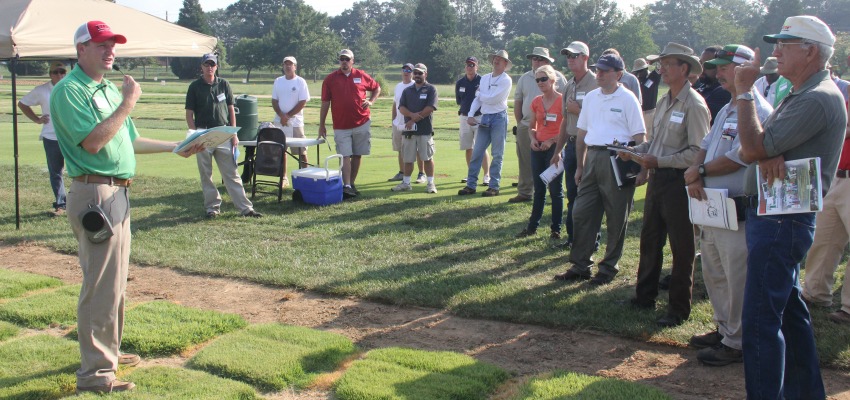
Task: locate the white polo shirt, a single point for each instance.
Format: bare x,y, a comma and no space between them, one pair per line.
609,117
40,96
288,92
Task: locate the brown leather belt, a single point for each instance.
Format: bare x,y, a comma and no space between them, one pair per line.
106,180
842,173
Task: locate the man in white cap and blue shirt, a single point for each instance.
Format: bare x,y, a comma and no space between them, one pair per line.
780,356
724,251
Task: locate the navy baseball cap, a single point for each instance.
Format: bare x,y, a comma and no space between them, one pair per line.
609,62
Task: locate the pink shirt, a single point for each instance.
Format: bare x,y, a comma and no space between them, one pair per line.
548,121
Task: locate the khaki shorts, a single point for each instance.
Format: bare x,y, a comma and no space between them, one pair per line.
396,138
421,145
467,133
296,132
354,142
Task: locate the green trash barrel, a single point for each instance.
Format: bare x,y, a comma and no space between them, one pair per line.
246,117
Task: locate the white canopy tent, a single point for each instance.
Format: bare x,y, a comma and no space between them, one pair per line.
44,30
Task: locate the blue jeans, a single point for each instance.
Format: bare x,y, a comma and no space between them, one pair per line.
570,166
539,162
55,168
493,129
780,357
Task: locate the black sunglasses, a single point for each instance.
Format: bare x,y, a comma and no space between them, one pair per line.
542,79
536,58
470,65
573,56
58,72
344,59
417,72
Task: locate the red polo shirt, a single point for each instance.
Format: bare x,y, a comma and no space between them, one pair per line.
346,94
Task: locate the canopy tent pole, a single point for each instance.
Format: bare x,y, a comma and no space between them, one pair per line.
14,64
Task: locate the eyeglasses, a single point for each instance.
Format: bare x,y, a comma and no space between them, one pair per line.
407,71
417,72
573,56
58,72
536,58
344,59
779,45
541,79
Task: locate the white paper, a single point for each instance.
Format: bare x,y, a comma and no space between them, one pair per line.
552,172
717,211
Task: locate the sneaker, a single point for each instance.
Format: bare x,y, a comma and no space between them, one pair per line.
114,386
566,245
402,187
353,186
664,283
284,183
463,180
421,178
670,321
519,198
129,360
526,233
490,192
706,340
212,215
720,355
252,214
397,177
465,191
431,188
348,192
486,180
571,275
601,279
839,317
57,212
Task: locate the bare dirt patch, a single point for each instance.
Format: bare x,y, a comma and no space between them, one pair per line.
524,350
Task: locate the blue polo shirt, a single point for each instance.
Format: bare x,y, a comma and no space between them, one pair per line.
465,92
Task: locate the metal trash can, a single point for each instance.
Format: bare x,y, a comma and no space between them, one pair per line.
246,117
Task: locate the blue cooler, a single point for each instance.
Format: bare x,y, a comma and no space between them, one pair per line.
319,186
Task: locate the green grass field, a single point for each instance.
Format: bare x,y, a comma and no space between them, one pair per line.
444,251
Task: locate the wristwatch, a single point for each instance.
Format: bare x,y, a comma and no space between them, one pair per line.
701,170
745,96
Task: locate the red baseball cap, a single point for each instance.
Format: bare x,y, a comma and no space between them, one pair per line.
98,32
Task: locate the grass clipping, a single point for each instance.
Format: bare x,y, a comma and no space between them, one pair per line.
396,373
274,356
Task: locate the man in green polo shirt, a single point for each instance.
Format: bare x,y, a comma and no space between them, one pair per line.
99,141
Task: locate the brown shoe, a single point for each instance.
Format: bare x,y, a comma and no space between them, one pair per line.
839,317
58,212
519,198
490,192
130,360
114,386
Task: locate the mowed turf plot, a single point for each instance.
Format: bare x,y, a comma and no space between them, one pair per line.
274,356
14,284
38,367
166,383
44,309
397,373
563,385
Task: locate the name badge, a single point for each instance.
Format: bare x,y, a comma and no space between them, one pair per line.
677,117
101,103
730,129
551,117
423,96
580,95
356,81
220,97
462,89
648,83
616,110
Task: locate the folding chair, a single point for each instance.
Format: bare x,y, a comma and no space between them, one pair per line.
268,160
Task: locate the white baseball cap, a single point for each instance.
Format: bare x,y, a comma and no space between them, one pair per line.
804,27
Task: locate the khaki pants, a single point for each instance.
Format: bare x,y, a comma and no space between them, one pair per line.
525,179
724,271
100,311
831,236
647,122
229,174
